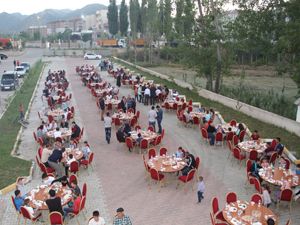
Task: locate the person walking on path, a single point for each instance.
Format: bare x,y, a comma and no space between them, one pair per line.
121,218
200,189
159,118
102,107
21,112
107,126
152,117
15,63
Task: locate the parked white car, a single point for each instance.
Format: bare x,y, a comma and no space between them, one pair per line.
92,56
21,71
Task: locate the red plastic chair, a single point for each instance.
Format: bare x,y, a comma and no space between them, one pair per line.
167,106
196,120
129,143
151,153
155,175
229,136
197,163
256,198
117,122
157,140
175,106
238,155
151,128
233,123
217,214
56,218
231,197
242,135
204,135
50,118
18,212
286,195
144,145
74,167
137,127
133,122
137,114
45,169
219,138
213,222
257,185
273,158
40,152
186,178
163,151
235,140
109,106
190,102
253,155
273,144
72,178
26,215
84,190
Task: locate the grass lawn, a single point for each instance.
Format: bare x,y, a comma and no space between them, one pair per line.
290,140
11,167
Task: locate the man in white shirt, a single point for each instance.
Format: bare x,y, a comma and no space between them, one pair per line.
107,127
97,219
47,180
46,152
152,117
57,133
147,95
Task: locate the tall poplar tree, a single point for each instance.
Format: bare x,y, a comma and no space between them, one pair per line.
123,15
112,16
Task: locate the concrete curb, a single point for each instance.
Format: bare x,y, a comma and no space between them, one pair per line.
11,187
165,77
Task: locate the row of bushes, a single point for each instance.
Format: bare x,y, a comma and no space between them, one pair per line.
269,101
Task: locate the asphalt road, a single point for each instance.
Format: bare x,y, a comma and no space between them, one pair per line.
29,55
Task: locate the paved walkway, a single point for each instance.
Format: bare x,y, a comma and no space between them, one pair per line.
119,176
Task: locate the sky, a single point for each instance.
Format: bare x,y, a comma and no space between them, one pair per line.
28,7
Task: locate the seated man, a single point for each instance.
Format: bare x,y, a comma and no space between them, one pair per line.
32,212
255,136
190,164
188,117
277,148
86,150
18,200
179,153
75,130
54,202
63,180
255,168
47,180
74,206
211,130
75,188
57,133
120,135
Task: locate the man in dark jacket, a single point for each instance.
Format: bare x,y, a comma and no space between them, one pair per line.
159,118
102,107
75,130
54,203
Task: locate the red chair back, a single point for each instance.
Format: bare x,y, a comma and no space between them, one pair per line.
133,122
197,160
235,140
163,151
82,203
248,165
40,151
157,140
237,153
151,128
137,114
56,218
84,190
257,185
233,123
13,201
219,137
204,133
242,135
74,167
229,136
190,175
91,158
256,198
155,175
196,120
253,155
231,197
273,144
25,213
129,142
109,106
144,144
215,205
286,195
117,121
151,153
72,178
287,163
50,118
175,106
167,105
190,102
273,158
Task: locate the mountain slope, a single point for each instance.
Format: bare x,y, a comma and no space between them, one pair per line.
16,22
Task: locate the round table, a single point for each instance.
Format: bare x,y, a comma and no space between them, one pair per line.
65,133
112,101
123,116
242,212
200,115
75,152
166,164
278,176
247,146
38,195
56,112
148,135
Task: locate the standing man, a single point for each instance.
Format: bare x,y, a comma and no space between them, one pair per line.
147,95
102,107
15,63
107,126
159,118
152,117
121,218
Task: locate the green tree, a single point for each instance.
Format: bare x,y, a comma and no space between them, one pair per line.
36,36
143,17
112,16
179,20
123,15
134,16
188,19
168,21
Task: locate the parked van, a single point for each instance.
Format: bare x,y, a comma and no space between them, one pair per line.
9,80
